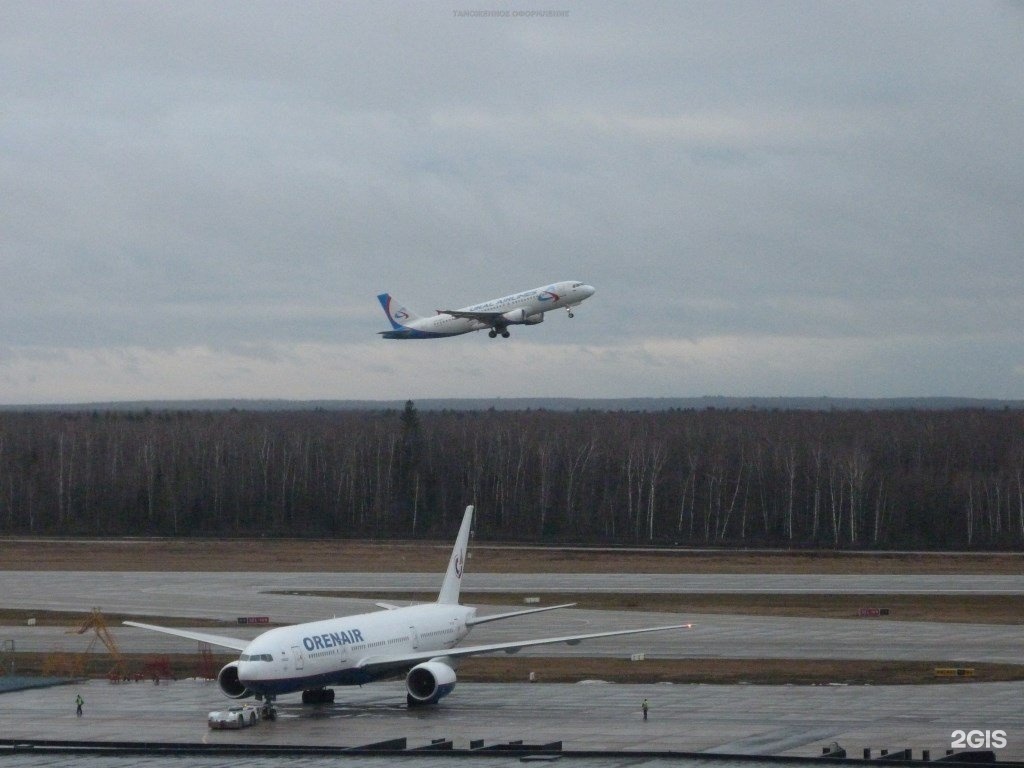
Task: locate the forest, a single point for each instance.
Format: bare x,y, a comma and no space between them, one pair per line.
907,479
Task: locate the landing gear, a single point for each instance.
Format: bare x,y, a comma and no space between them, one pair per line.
318,696
505,334
494,332
569,310
268,712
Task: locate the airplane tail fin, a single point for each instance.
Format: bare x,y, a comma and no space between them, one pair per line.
453,578
397,314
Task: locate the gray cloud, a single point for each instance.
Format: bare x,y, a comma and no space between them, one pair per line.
772,198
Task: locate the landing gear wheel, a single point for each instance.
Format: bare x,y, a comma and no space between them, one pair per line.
505,334
492,333
318,696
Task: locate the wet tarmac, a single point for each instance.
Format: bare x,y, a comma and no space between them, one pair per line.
742,720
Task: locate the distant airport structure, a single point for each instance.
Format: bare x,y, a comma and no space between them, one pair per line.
494,316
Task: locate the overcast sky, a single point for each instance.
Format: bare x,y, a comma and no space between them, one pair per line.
202,200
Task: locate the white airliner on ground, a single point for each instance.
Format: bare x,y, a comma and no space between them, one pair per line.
418,641
525,308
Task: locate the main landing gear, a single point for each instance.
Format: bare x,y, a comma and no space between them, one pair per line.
494,332
318,696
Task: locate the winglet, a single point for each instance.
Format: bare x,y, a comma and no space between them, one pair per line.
453,577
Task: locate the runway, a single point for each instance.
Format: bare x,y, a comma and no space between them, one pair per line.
712,636
215,595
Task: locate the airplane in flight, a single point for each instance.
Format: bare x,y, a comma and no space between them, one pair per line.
524,308
417,641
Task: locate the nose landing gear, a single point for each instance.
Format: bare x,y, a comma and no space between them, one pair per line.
268,713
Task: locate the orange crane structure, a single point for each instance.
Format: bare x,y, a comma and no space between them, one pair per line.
95,622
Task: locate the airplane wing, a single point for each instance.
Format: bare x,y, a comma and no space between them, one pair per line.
379,663
202,637
499,616
483,317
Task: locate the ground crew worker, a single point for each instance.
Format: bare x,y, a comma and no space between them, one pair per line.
79,701
644,707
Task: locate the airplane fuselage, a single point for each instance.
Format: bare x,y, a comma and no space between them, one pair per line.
330,652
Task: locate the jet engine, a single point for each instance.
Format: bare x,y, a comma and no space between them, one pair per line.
429,682
229,683
519,317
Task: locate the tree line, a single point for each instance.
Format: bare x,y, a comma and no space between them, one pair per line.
840,479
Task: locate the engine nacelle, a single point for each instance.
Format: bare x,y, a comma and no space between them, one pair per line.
519,317
514,317
429,682
229,683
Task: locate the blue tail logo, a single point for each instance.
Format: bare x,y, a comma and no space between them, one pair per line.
395,313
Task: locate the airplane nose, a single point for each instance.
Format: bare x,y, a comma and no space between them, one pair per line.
588,290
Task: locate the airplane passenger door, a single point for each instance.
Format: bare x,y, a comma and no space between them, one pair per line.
299,657
414,638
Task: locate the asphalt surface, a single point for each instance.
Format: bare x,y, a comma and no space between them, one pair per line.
230,595
742,719
751,720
